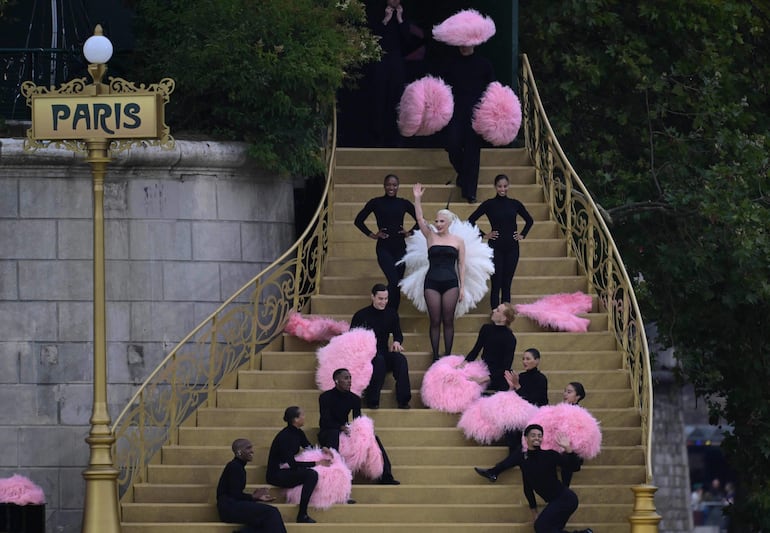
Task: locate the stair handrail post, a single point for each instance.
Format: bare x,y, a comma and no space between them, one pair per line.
644,518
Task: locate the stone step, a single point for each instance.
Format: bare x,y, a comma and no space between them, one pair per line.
549,361
344,231
499,492
412,173
407,475
528,266
391,436
428,157
357,192
527,247
619,398
463,341
298,379
347,211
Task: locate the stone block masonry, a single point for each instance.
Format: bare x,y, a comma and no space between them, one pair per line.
184,229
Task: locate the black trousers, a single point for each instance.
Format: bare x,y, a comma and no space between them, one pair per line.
256,516
387,257
382,363
331,439
554,516
505,262
514,457
307,477
464,148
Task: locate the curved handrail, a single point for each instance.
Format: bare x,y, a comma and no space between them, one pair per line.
591,243
247,322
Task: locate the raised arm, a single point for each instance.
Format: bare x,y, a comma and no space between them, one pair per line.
418,191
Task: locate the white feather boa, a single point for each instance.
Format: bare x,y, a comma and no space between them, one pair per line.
478,267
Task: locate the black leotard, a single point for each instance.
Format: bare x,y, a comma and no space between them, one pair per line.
442,272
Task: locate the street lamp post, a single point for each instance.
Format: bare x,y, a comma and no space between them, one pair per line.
98,118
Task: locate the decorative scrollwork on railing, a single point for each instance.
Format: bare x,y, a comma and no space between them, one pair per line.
240,328
591,243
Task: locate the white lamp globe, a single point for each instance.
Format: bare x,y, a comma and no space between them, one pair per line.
97,49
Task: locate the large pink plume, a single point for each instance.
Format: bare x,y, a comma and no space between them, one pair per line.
20,491
451,386
572,420
426,107
558,311
335,482
353,350
360,449
497,116
314,328
487,419
466,28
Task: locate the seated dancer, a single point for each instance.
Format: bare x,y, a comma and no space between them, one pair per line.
538,472
497,343
384,322
573,393
238,507
335,405
532,385
286,444
389,211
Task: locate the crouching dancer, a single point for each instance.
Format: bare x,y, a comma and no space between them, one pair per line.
238,507
538,470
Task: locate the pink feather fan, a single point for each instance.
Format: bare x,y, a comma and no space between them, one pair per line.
335,482
360,450
572,420
314,328
558,311
20,491
353,350
465,28
497,116
448,386
487,419
426,107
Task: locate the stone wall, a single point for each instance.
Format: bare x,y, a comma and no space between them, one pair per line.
184,229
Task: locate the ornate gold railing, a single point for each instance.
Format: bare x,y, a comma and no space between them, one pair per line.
239,329
590,242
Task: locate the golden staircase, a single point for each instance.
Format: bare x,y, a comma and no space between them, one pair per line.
439,491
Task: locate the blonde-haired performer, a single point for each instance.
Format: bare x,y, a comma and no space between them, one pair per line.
443,285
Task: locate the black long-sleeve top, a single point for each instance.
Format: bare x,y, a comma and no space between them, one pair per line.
534,387
393,35
389,211
232,482
335,405
382,323
498,344
502,213
538,471
286,444
468,76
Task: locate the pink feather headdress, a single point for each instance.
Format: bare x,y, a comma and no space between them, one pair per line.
335,482
497,116
353,350
426,107
21,491
466,28
451,388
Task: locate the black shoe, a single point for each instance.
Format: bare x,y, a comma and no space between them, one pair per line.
388,481
305,519
404,406
486,473
350,501
373,406
472,200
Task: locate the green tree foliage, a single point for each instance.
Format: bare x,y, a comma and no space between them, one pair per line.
263,72
664,109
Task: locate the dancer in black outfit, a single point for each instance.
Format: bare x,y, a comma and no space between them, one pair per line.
573,393
497,344
532,385
538,472
504,237
389,210
238,507
446,273
288,443
468,76
335,406
384,322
